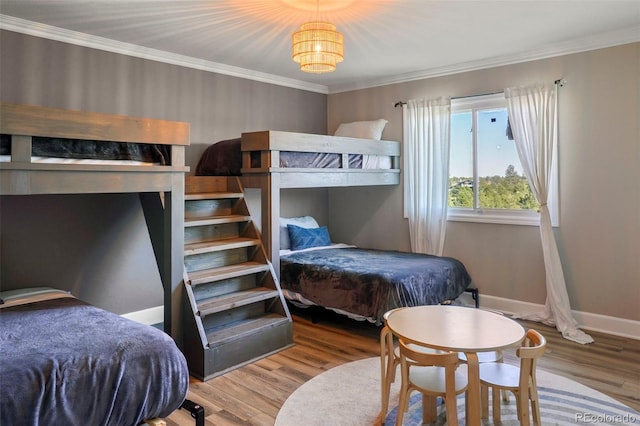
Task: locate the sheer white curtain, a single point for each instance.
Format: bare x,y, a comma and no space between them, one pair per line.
533,119
426,130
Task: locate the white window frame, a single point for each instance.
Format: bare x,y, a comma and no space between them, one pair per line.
498,216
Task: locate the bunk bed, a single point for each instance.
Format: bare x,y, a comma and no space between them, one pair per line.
26,168
341,279
274,160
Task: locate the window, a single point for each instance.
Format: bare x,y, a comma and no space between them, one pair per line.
486,179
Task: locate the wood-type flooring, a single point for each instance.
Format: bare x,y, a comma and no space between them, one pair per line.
253,394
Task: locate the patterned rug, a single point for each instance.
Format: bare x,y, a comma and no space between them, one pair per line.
349,395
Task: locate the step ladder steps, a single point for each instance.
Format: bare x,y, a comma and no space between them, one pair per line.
208,207
216,259
219,245
215,220
213,195
225,231
235,312
226,272
236,299
239,329
218,288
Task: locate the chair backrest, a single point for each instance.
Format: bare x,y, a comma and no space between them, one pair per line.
386,342
386,337
533,347
427,358
411,356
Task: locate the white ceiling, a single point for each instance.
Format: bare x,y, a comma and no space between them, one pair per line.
386,41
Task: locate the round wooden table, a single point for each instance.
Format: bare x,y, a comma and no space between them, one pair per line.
458,329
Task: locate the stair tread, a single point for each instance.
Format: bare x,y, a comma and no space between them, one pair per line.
225,272
212,195
235,299
213,220
218,245
239,329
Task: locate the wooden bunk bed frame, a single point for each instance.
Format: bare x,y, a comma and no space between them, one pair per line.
161,188
260,169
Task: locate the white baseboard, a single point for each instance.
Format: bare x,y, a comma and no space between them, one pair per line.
586,320
149,316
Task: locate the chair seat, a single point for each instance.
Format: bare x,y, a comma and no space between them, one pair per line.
500,374
433,378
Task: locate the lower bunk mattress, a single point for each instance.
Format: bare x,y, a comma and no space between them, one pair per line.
366,283
64,362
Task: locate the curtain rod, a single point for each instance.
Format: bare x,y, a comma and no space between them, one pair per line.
560,82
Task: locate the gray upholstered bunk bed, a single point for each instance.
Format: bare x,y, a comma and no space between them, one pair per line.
51,383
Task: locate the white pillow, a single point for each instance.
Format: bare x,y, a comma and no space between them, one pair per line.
367,130
302,221
376,161
362,129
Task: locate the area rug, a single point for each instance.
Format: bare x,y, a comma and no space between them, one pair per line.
349,395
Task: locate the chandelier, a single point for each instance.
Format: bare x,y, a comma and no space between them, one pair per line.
317,46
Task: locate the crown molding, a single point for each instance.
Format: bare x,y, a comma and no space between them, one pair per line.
24,26
599,41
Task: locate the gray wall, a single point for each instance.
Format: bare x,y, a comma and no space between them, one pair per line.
598,237
599,150
97,245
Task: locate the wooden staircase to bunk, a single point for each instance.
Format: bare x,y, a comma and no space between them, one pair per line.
235,312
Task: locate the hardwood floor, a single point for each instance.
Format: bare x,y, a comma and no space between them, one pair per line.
252,395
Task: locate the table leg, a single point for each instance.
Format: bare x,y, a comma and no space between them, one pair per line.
473,404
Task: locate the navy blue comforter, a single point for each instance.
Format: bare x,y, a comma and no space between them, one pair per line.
63,362
369,282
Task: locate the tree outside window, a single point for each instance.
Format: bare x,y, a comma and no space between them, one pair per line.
485,173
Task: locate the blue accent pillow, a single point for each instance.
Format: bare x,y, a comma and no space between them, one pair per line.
302,238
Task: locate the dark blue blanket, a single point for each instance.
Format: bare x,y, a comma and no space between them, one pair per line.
63,362
370,282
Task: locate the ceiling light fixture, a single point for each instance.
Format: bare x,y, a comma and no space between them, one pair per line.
317,46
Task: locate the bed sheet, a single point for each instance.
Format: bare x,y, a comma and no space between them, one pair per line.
64,362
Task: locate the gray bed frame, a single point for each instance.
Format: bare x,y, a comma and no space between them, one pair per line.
260,169
161,188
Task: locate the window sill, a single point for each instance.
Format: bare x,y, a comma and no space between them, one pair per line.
526,218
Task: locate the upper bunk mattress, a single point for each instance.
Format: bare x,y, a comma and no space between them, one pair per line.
66,362
224,158
81,149
368,283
